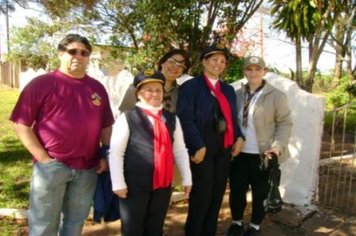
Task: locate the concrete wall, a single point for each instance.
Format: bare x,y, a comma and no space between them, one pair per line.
300,171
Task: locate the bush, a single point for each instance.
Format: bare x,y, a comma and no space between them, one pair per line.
343,93
234,71
339,95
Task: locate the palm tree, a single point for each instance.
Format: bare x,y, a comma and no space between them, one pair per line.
297,19
310,20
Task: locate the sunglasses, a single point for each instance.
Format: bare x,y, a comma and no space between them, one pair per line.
76,52
176,63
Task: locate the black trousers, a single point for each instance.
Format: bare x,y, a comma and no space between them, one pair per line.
209,184
245,172
143,212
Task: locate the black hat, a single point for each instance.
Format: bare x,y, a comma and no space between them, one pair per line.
214,49
149,75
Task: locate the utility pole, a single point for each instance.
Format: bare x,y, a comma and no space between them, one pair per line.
7,28
261,32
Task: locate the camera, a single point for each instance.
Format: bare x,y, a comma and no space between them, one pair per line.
220,125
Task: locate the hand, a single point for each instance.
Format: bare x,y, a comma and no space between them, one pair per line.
121,193
237,147
103,166
269,153
199,155
187,190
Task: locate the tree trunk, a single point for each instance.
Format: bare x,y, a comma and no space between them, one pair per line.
299,70
348,56
339,39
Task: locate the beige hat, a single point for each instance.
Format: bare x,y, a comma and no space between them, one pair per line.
253,60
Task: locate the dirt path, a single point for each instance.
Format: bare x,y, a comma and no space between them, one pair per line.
291,221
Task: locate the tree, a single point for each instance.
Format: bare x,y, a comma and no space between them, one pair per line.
342,38
36,43
297,18
151,27
310,20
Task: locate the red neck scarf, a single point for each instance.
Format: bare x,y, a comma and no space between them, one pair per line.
225,110
163,152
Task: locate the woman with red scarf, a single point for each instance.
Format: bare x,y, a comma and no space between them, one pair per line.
207,110
145,144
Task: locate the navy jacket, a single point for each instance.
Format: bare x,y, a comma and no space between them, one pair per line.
194,106
106,203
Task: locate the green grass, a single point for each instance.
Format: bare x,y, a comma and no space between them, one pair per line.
15,161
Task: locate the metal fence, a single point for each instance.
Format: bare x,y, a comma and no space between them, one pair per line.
337,172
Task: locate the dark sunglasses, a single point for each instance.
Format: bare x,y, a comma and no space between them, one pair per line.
75,52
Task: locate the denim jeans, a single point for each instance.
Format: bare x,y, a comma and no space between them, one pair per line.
56,189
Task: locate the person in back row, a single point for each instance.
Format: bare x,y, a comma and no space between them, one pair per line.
264,116
146,142
207,109
172,65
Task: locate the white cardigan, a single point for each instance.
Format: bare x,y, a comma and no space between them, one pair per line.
118,144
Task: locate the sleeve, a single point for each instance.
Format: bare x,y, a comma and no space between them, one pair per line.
234,112
283,123
186,111
30,102
118,144
181,157
108,115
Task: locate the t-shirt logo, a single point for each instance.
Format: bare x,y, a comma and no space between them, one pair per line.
96,99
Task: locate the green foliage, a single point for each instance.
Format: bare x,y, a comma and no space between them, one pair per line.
235,70
36,44
153,27
9,226
62,8
146,28
15,161
338,95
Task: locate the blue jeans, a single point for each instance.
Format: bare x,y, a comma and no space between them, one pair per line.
56,189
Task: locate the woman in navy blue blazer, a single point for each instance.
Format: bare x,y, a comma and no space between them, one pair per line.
207,109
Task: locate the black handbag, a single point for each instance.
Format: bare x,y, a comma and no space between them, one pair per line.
273,203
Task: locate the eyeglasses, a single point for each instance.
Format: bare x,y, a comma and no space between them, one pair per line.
176,63
76,52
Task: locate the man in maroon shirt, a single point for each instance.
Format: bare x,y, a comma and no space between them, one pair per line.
62,117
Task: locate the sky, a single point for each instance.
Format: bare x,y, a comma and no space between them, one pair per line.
278,52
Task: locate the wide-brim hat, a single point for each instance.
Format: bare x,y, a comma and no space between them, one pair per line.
216,48
148,76
253,60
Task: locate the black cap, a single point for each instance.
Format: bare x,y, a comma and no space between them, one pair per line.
147,76
214,49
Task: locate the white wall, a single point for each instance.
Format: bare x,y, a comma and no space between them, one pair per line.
300,171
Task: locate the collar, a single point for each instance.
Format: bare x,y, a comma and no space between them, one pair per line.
152,109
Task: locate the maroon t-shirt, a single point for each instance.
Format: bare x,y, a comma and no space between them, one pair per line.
67,116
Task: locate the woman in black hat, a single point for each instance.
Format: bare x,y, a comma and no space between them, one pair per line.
145,144
207,110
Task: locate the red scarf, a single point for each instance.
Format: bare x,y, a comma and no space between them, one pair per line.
163,152
225,110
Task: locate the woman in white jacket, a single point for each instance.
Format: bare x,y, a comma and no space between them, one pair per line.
264,118
145,144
